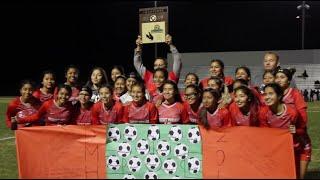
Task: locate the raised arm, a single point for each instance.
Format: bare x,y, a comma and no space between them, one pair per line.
137,60
177,63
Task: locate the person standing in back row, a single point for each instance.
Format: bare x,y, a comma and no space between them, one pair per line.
159,62
271,62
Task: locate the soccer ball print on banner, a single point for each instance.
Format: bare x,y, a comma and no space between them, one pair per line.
145,151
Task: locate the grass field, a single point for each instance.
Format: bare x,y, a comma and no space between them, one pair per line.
8,164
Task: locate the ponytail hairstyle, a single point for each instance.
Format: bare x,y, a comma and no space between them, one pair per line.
288,72
203,113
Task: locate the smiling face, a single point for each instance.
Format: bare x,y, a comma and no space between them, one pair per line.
120,86
271,97
63,96
190,79
241,99
191,95
215,69
115,73
105,95
168,92
158,78
84,97
72,75
129,82
137,94
26,91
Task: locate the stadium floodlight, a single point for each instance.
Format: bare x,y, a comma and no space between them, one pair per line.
303,7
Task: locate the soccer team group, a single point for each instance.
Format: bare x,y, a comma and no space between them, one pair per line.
153,97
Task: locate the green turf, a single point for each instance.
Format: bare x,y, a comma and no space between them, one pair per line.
8,164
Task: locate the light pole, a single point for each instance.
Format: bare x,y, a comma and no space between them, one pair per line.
303,7
155,45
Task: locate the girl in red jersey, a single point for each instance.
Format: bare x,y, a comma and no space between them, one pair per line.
97,79
72,75
192,102
216,69
293,97
46,92
119,87
24,105
83,107
159,77
211,116
140,110
55,111
106,110
280,115
191,78
171,110
244,110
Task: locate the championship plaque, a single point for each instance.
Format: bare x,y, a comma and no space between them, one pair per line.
153,24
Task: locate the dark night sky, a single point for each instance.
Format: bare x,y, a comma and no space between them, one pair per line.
103,33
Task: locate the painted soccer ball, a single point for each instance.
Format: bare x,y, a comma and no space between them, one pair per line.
25,113
142,147
134,164
113,134
150,175
163,148
175,133
130,133
113,162
129,176
153,132
194,165
181,151
194,135
169,166
152,162
124,149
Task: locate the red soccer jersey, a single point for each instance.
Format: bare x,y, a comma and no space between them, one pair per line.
194,117
74,94
239,119
52,113
173,114
101,115
220,118
147,113
269,119
294,98
83,116
227,81
148,79
21,110
42,97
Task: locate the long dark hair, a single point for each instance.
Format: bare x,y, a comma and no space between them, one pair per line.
221,65
104,79
177,96
276,87
203,113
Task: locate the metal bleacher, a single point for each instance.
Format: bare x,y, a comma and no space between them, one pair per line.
313,70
